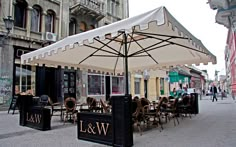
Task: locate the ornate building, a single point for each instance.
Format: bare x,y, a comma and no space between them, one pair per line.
41,23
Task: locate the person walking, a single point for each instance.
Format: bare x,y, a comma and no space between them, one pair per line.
214,92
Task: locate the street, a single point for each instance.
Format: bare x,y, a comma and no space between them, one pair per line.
214,126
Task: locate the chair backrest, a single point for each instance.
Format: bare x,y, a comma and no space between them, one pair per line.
158,107
43,100
70,104
104,106
91,102
136,107
145,102
186,100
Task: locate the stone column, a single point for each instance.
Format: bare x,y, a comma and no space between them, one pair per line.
28,22
56,25
44,13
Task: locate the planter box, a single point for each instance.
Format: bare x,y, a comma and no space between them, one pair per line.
36,117
95,127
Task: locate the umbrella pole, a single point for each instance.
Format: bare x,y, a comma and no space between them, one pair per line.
126,65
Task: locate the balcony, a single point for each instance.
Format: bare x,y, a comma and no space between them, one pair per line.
216,4
91,8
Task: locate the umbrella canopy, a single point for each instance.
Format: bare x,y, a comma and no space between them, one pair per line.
154,39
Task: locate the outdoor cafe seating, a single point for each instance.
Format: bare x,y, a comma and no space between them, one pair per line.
70,113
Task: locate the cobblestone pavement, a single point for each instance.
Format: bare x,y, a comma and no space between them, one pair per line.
214,126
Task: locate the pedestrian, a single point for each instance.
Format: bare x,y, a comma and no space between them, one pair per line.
214,92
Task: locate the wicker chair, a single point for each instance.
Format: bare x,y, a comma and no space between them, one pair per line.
70,105
106,107
45,101
137,114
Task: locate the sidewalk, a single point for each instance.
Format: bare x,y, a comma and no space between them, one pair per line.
213,127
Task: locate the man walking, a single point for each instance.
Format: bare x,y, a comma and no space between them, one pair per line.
214,92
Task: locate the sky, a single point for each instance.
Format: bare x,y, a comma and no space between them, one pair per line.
199,19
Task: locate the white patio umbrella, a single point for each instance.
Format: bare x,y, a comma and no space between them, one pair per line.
151,40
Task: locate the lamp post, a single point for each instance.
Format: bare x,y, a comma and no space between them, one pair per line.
9,22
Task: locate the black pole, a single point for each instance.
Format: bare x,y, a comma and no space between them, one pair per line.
126,66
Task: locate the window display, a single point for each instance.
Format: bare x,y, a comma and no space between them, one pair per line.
95,84
117,85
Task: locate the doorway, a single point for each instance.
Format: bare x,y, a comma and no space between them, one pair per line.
145,88
108,87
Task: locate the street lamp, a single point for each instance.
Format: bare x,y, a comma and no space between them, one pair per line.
8,24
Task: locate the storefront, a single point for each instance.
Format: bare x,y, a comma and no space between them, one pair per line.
179,79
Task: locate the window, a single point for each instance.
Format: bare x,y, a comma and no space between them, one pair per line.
95,84
20,14
72,26
137,86
50,21
36,19
162,86
25,78
118,85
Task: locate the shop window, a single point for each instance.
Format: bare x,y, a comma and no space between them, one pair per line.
20,13
50,21
72,26
95,84
137,86
24,79
36,19
118,85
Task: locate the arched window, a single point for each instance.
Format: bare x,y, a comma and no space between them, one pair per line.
82,26
72,26
20,13
36,19
50,21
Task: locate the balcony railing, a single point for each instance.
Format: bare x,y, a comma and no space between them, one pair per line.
93,7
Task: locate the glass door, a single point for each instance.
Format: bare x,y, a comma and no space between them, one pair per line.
69,84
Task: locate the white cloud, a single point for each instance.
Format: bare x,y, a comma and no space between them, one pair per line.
198,18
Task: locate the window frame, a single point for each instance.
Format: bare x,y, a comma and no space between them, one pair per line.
39,18
102,85
111,85
73,22
52,27
139,81
22,7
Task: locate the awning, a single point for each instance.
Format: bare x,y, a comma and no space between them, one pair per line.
154,39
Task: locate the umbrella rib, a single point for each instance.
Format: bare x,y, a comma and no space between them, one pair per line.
140,56
176,44
108,45
105,56
118,57
141,51
131,38
145,51
97,49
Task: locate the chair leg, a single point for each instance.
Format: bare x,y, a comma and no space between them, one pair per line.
177,118
160,123
139,128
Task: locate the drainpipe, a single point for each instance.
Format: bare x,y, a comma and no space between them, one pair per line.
60,21
10,8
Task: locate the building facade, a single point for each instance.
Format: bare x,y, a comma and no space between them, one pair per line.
226,16
150,84
41,23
